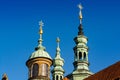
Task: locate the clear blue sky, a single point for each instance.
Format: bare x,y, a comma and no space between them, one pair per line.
19,32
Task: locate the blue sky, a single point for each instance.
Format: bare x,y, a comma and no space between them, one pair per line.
19,32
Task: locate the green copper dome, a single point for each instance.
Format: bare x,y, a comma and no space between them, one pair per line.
58,63
40,50
40,53
58,68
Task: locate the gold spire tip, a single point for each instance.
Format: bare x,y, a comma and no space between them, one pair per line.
41,24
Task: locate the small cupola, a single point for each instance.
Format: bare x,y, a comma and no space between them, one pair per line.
39,62
58,62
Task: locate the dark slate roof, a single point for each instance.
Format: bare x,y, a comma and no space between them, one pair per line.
110,73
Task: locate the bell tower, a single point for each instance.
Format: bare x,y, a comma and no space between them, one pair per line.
81,64
58,62
40,61
81,48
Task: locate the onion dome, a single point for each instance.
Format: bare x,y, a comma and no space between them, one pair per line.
58,62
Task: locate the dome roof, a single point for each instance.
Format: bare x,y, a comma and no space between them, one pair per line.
40,49
40,53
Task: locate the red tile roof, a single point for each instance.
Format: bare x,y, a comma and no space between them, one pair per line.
110,73
65,78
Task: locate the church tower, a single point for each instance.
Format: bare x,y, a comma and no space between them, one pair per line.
58,62
40,61
80,63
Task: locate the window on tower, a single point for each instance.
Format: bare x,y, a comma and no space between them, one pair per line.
35,70
84,55
60,77
57,77
44,69
80,55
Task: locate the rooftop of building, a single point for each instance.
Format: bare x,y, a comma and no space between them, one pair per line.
110,73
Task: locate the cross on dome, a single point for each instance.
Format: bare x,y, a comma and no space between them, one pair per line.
41,23
80,6
80,13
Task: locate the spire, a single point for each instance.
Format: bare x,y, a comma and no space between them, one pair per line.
58,62
80,17
80,13
40,50
40,61
58,48
81,63
41,24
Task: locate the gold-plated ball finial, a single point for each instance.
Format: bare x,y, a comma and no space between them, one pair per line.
41,25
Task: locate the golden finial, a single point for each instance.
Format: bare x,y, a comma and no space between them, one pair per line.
41,25
80,13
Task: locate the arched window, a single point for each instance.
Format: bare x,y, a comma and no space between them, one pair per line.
84,55
35,70
44,68
80,55
57,77
60,77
